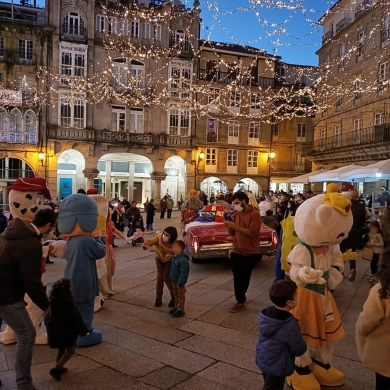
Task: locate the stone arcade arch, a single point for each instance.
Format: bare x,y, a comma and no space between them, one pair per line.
248,184
213,185
175,181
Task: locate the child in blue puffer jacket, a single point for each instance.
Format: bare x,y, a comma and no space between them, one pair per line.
280,339
180,269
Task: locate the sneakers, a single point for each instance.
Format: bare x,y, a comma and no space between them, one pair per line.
352,275
172,302
56,373
172,310
158,302
178,313
237,307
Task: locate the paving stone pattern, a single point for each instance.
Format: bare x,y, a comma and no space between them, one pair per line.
144,348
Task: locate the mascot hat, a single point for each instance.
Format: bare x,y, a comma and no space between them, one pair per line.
36,184
192,194
77,209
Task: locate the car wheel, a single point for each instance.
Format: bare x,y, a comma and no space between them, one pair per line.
195,260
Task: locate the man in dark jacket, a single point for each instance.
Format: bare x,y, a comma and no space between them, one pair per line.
3,221
20,273
355,240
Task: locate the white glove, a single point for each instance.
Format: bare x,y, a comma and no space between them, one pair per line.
310,275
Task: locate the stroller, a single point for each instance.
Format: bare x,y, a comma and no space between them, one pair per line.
137,231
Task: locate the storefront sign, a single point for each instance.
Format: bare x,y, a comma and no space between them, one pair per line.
10,98
66,172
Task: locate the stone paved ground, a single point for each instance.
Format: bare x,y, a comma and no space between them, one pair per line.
146,349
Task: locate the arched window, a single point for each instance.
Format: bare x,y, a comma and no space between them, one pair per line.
138,72
4,125
15,126
13,168
180,41
30,127
73,24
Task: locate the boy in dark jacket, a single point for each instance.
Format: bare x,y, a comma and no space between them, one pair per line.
280,339
180,269
270,219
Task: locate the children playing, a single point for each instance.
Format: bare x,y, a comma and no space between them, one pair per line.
280,339
63,325
377,244
180,269
372,328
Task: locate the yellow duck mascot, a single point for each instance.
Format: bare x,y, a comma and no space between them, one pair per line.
321,223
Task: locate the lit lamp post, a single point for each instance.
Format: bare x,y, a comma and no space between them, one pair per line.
196,163
41,156
271,156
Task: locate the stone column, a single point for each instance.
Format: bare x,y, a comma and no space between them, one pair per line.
108,179
156,190
130,183
90,174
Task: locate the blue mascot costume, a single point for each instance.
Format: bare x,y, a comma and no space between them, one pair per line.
78,220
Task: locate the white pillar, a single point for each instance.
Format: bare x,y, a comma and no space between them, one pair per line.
108,179
90,183
157,191
130,183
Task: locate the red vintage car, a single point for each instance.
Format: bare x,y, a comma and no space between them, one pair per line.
212,240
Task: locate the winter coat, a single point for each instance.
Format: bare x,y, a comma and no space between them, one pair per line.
180,269
163,205
355,236
162,248
170,204
20,265
372,333
150,214
271,221
377,242
132,213
280,341
385,225
264,206
3,223
64,324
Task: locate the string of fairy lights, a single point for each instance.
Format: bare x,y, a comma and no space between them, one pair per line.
172,69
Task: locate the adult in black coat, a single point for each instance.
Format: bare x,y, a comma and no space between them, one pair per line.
150,211
3,221
355,240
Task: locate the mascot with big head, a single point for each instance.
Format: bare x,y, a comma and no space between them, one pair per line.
321,223
78,220
26,198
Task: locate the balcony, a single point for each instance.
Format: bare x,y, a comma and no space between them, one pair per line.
177,141
72,32
344,23
12,57
136,139
355,143
230,78
62,133
181,48
289,166
326,37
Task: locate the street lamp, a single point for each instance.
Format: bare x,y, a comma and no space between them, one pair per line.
271,156
197,163
41,156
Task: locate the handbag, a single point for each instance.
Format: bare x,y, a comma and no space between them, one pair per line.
368,253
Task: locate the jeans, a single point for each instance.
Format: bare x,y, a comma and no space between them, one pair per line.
149,227
382,382
17,318
169,213
180,296
273,382
242,267
163,275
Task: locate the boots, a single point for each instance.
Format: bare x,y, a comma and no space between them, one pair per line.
352,275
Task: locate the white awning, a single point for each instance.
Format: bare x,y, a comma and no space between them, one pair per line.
304,179
370,173
333,175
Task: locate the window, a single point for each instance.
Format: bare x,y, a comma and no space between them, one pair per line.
136,120
157,32
386,29
322,139
211,160
342,62
213,97
101,24
73,24
357,94
118,118
180,80
179,123
122,27
112,25
235,100
327,59
119,73
357,126
30,127
180,41
383,72
253,161
72,110
378,118
137,73
146,32
1,46
233,132
275,129
254,133
15,126
301,131
337,136
255,101
134,31
212,131
339,100
361,44
25,50
232,160
72,60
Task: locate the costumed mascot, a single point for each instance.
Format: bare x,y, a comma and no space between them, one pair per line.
321,223
26,197
78,220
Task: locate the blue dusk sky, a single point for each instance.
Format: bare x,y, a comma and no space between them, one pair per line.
290,33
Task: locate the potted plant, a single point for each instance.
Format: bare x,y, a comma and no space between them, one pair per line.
180,202
146,204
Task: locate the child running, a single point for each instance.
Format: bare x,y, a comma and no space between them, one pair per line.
377,244
372,328
63,325
280,339
180,269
